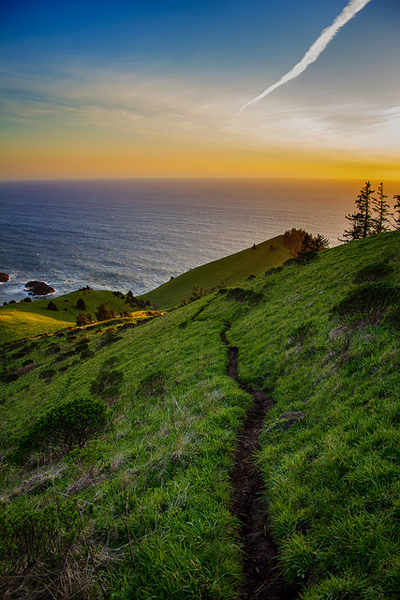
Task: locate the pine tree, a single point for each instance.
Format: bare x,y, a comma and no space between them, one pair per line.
397,210
381,208
361,220
314,244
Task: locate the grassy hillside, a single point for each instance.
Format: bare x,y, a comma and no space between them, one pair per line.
228,271
27,319
118,441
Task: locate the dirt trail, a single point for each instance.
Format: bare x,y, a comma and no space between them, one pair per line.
260,569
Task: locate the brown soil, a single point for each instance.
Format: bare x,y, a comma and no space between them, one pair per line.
261,578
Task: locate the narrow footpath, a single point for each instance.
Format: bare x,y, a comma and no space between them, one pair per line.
260,569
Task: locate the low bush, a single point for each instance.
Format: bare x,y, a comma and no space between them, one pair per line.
152,385
240,295
47,553
273,271
301,334
374,272
107,383
63,427
369,303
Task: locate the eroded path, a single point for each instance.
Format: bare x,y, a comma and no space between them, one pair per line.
260,569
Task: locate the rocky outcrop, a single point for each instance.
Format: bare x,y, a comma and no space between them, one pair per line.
4,278
38,288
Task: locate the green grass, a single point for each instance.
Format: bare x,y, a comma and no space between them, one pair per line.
142,510
229,271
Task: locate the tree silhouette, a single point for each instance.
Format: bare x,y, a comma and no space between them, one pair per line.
381,208
81,304
397,209
103,313
361,220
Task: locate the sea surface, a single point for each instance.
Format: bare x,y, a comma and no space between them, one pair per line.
135,234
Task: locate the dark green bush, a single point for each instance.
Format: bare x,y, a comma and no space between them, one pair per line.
103,313
47,374
107,383
64,427
81,320
369,303
46,553
272,271
152,385
301,334
240,295
374,272
81,304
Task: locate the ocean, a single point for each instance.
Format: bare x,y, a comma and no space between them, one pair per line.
135,234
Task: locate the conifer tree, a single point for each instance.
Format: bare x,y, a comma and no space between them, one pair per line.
381,209
397,210
361,220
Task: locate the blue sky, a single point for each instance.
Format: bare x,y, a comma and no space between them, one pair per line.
139,88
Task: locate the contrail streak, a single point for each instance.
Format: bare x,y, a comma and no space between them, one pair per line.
353,7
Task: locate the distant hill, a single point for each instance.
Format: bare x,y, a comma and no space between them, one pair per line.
228,271
27,319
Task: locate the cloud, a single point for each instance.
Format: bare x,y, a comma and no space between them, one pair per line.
312,54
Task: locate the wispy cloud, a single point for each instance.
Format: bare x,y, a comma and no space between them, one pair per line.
137,109
316,49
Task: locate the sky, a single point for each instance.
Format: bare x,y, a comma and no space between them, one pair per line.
154,88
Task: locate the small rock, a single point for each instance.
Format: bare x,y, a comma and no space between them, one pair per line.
289,418
286,420
4,278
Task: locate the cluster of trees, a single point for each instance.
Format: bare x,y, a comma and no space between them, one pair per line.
298,241
372,214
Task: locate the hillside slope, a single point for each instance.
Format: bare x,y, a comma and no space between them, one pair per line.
27,319
118,441
228,271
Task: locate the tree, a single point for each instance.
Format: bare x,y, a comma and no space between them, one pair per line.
81,304
293,240
103,313
361,220
397,209
381,208
315,244
81,320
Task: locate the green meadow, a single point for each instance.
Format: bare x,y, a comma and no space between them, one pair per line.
118,438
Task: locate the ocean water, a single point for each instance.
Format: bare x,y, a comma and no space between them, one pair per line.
136,234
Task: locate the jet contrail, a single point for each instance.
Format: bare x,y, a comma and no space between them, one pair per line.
353,7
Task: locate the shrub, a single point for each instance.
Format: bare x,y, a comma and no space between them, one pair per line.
107,383
46,552
301,334
152,385
273,271
81,320
103,313
374,272
368,303
241,295
47,374
65,426
81,304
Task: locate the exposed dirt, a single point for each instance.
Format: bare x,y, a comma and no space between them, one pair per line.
260,569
